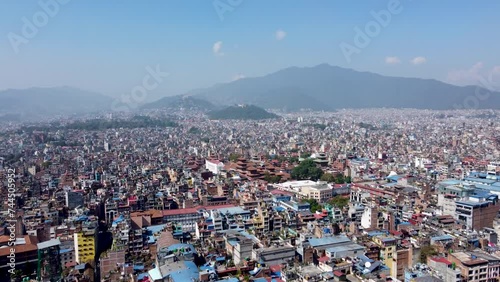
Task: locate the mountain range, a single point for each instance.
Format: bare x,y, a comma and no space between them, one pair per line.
32,103
322,87
326,87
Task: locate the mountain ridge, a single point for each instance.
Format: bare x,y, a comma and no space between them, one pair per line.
326,87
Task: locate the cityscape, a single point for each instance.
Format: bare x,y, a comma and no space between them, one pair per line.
362,163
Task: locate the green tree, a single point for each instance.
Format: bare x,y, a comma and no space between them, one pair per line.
427,251
305,155
307,170
234,157
339,202
328,177
314,205
339,179
272,178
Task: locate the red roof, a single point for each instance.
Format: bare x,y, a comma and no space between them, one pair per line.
396,233
275,268
338,273
280,192
324,259
442,260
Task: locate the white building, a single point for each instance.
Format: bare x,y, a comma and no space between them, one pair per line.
307,189
215,166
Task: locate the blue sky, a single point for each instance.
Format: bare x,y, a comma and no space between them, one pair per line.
106,45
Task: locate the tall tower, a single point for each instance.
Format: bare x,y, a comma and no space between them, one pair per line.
49,262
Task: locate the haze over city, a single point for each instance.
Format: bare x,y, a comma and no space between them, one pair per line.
249,141
104,46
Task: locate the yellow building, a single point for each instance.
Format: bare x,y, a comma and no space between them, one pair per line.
387,250
85,246
397,258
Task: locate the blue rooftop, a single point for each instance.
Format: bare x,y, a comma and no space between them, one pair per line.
232,279
441,238
118,220
317,242
188,274
63,251
481,180
279,209
156,228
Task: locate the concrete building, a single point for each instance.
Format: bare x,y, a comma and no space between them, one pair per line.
239,245
307,189
85,243
214,166
74,199
477,213
274,255
471,267
445,269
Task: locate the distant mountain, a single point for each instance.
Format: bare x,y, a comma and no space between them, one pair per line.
179,101
35,102
326,87
242,112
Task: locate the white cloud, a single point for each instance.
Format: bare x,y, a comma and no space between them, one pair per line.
392,60
476,75
280,34
217,48
238,76
418,60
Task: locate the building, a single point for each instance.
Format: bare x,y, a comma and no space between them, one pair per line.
307,189
274,255
49,262
214,166
74,199
239,245
85,242
471,267
477,213
26,255
445,268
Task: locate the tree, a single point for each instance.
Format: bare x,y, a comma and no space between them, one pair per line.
307,170
339,202
314,205
339,179
427,251
328,177
272,178
234,157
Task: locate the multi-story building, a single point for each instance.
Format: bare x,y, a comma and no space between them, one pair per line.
274,255
472,267
85,242
388,251
447,272
74,199
477,213
307,189
214,166
49,262
239,245
372,218
25,252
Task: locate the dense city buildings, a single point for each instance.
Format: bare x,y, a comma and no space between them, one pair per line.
354,195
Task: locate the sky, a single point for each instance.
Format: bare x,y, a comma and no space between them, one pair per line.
111,46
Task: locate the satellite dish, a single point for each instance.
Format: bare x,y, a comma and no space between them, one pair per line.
368,264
